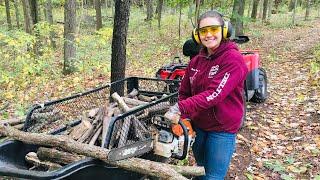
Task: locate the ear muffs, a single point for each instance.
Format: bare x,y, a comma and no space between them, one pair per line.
195,36
227,30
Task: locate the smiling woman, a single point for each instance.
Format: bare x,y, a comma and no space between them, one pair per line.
210,95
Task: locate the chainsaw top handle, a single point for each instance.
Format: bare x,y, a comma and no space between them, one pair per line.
185,144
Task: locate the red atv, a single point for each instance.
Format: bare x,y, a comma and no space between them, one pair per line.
255,84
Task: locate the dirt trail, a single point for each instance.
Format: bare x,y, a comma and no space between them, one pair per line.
287,126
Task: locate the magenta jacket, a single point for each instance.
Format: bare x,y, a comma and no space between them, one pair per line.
211,91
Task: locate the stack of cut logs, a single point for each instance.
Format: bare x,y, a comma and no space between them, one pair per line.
94,127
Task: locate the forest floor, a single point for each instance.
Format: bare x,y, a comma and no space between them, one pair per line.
281,138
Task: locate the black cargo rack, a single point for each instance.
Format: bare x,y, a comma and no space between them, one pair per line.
62,113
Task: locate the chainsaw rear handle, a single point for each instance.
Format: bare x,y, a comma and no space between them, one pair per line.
185,144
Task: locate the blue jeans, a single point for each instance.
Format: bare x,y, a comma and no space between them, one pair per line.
214,150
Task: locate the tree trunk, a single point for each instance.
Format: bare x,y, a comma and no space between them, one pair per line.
265,8
16,7
197,12
159,12
269,9
249,7
294,13
50,21
7,3
308,6
254,9
34,11
180,14
291,5
149,10
119,43
97,5
69,36
237,14
28,24
260,6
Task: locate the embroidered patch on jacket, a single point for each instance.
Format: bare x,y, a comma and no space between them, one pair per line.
213,71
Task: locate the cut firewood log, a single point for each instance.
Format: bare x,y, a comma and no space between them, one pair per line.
147,98
93,112
95,136
13,121
19,126
134,102
127,122
78,131
133,93
32,158
120,102
106,123
56,156
159,108
66,143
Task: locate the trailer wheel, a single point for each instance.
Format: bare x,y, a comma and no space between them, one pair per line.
261,94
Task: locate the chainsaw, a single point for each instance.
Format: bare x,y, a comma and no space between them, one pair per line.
173,140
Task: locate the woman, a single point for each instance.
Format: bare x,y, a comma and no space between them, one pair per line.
211,95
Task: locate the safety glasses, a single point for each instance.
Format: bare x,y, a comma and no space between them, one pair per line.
209,29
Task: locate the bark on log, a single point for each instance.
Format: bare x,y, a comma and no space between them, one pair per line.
133,164
93,112
147,98
138,127
95,136
79,130
18,126
57,156
14,121
32,158
106,124
134,102
133,93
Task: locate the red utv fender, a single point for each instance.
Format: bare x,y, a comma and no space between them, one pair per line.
252,61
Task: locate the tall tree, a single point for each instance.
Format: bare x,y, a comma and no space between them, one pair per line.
308,6
237,14
49,18
159,12
291,5
265,8
269,9
34,11
97,5
149,10
197,12
16,8
69,36
119,42
254,9
7,3
294,13
28,23
249,7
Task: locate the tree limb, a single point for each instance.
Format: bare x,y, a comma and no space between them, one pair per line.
133,164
